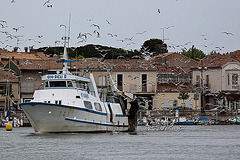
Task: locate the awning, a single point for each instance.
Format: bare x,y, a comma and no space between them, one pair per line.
234,96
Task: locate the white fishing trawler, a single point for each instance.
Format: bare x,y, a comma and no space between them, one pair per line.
71,103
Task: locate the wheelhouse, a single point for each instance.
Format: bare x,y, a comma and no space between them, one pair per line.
66,84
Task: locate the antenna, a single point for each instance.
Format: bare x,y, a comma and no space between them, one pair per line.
69,29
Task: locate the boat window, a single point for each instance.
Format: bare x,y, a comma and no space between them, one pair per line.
57,83
98,106
81,85
58,102
88,104
69,84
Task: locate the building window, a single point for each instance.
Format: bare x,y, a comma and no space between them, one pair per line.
234,79
197,81
207,81
101,81
120,82
228,77
144,82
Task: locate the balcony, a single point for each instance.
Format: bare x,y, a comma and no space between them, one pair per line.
233,87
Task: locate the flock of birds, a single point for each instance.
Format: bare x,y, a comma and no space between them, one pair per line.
82,37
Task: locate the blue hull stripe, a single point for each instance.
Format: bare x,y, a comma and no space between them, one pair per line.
97,123
64,106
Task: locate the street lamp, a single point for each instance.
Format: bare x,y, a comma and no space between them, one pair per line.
202,87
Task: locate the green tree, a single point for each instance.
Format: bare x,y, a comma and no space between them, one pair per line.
91,51
153,47
183,95
193,53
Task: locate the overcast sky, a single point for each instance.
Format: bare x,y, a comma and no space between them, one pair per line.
206,24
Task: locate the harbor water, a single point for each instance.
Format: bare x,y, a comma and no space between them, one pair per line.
180,142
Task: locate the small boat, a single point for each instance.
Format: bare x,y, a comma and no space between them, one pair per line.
71,103
235,120
184,121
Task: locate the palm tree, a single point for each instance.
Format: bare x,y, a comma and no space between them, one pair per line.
183,95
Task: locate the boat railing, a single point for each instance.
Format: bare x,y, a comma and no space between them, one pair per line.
92,93
41,86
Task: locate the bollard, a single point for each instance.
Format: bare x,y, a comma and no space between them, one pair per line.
8,127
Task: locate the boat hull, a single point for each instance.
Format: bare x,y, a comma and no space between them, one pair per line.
53,118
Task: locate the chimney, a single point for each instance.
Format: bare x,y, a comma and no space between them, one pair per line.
26,49
15,49
30,49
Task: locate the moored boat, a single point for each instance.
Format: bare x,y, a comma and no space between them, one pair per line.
70,103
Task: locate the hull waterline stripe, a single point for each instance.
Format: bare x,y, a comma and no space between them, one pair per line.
97,123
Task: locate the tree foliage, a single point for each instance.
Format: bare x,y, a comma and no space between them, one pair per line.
183,95
193,53
153,47
91,51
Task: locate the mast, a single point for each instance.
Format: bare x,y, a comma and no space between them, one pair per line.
65,54
65,57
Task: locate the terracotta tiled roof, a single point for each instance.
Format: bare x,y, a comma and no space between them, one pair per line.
4,76
170,69
38,64
25,55
53,64
42,55
161,56
90,63
215,61
168,54
130,64
235,55
114,64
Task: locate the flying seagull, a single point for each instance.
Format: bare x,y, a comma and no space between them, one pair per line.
2,21
46,2
228,33
95,25
108,22
17,28
141,32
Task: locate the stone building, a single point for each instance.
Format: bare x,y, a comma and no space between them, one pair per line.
217,74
